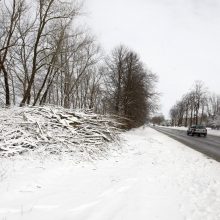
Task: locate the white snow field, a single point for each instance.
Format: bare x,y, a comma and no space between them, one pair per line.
152,177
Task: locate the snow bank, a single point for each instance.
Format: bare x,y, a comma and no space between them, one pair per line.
155,178
55,130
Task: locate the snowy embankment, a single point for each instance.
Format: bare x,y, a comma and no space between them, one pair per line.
153,177
55,130
210,131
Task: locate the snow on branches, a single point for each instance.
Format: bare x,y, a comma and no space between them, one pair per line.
55,130
214,122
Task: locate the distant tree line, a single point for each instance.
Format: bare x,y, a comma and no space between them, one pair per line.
47,57
197,106
158,119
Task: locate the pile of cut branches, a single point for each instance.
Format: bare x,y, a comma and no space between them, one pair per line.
55,130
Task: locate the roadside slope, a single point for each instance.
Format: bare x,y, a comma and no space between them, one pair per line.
154,177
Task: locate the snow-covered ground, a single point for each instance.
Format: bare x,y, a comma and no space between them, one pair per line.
214,132
152,177
210,131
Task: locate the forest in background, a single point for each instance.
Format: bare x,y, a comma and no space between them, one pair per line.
198,106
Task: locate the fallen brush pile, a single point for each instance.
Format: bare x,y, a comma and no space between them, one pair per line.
55,130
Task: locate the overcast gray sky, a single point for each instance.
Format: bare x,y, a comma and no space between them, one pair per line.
177,39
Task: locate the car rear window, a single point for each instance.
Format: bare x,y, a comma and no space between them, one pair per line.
200,127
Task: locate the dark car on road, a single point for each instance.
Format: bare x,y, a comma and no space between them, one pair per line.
197,130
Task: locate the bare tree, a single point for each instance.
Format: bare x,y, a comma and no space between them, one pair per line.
192,106
130,86
10,15
49,13
116,69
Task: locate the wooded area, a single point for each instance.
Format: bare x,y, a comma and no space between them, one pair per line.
198,106
48,57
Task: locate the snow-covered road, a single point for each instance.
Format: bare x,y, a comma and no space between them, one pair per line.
154,177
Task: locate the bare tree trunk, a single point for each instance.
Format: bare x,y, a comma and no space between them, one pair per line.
6,81
15,15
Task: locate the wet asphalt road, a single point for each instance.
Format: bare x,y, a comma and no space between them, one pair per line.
209,145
